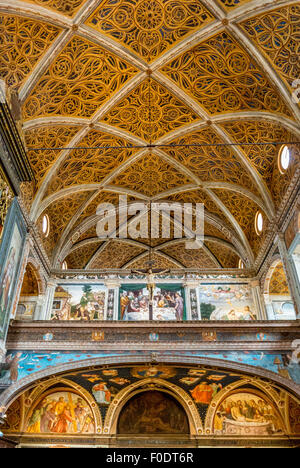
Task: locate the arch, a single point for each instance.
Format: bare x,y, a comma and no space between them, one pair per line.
33,268
186,402
266,389
17,388
47,388
276,260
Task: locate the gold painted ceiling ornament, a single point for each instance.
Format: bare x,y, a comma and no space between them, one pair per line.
278,283
90,167
46,137
73,86
23,42
149,27
276,34
79,258
115,255
150,121
218,164
150,176
190,258
66,7
223,78
231,4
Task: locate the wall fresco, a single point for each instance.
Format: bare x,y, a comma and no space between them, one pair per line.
153,399
28,363
79,302
226,302
247,414
168,303
61,413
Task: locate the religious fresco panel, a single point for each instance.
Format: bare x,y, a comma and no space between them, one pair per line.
79,302
232,404
61,412
226,302
247,413
168,302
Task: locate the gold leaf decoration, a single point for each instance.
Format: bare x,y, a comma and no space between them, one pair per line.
150,176
278,282
103,197
46,137
149,27
245,216
89,234
78,82
22,43
276,34
222,77
79,258
231,4
115,255
60,213
225,255
150,122
90,167
265,158
30,285
66,7
159,263
212,231
190,258
199,196
217,164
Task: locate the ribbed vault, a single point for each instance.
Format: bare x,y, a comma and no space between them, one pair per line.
92,73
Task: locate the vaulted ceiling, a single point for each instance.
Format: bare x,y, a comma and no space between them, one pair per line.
119,73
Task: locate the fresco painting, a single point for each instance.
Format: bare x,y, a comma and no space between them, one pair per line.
284,310
28,363
61,413
168,303
11,250
79,302
153,412
221,400
226,302
248,414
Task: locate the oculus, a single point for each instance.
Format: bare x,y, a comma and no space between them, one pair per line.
259,223
46,225
284,159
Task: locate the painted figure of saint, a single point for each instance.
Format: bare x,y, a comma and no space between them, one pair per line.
102,394
178,307
203,393
6,284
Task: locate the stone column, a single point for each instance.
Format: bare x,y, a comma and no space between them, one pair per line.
192,312
45,311
258,300
113,285
290,271
40,304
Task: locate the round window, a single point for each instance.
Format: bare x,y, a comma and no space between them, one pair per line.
46,226
284,159
259,223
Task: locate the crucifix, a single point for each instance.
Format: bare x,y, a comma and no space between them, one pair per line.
150,274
